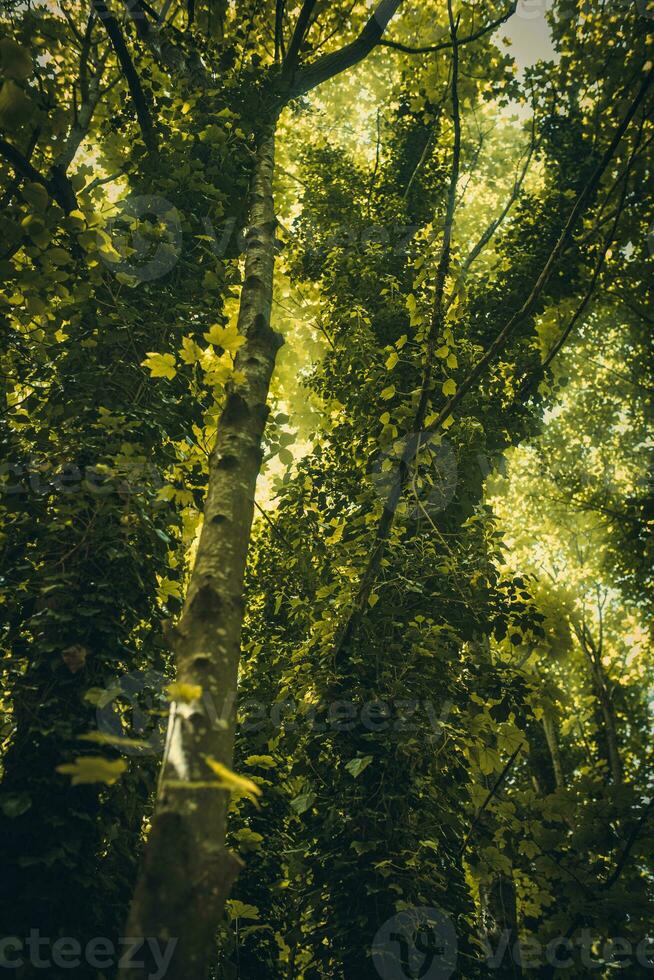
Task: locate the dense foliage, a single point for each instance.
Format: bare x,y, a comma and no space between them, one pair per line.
444,623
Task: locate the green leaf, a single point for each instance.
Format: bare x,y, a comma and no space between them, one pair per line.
190,352
240,910
303,801
356,766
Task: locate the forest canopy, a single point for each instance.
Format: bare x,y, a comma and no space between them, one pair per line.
326,503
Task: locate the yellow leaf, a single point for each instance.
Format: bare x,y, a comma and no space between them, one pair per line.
190,352
373,599
385,418
226,337
238,785
179,691
160,365
391,361
443,352
264,761
93,769
388,393
122,741
452,361
449,388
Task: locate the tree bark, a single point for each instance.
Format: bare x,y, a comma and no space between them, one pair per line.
187,871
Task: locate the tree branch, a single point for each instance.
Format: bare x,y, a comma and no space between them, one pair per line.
528,383
554,256
131,75
339,61
497,222
57,185
448,44
280,10
299,34
492,793
20,164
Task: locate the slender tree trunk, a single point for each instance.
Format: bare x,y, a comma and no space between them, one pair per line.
602,693
551,736
608,716
497,897
187,872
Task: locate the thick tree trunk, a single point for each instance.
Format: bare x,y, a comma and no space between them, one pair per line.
187,871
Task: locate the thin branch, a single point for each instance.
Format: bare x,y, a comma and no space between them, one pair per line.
131,75
432,48
530,382
373,178
498,222
390,507
15,184
493,792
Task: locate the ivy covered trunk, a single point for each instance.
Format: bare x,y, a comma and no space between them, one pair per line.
187,871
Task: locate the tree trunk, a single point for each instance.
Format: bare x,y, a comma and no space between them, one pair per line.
551,736
600,683
187,872
611,734
497,897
